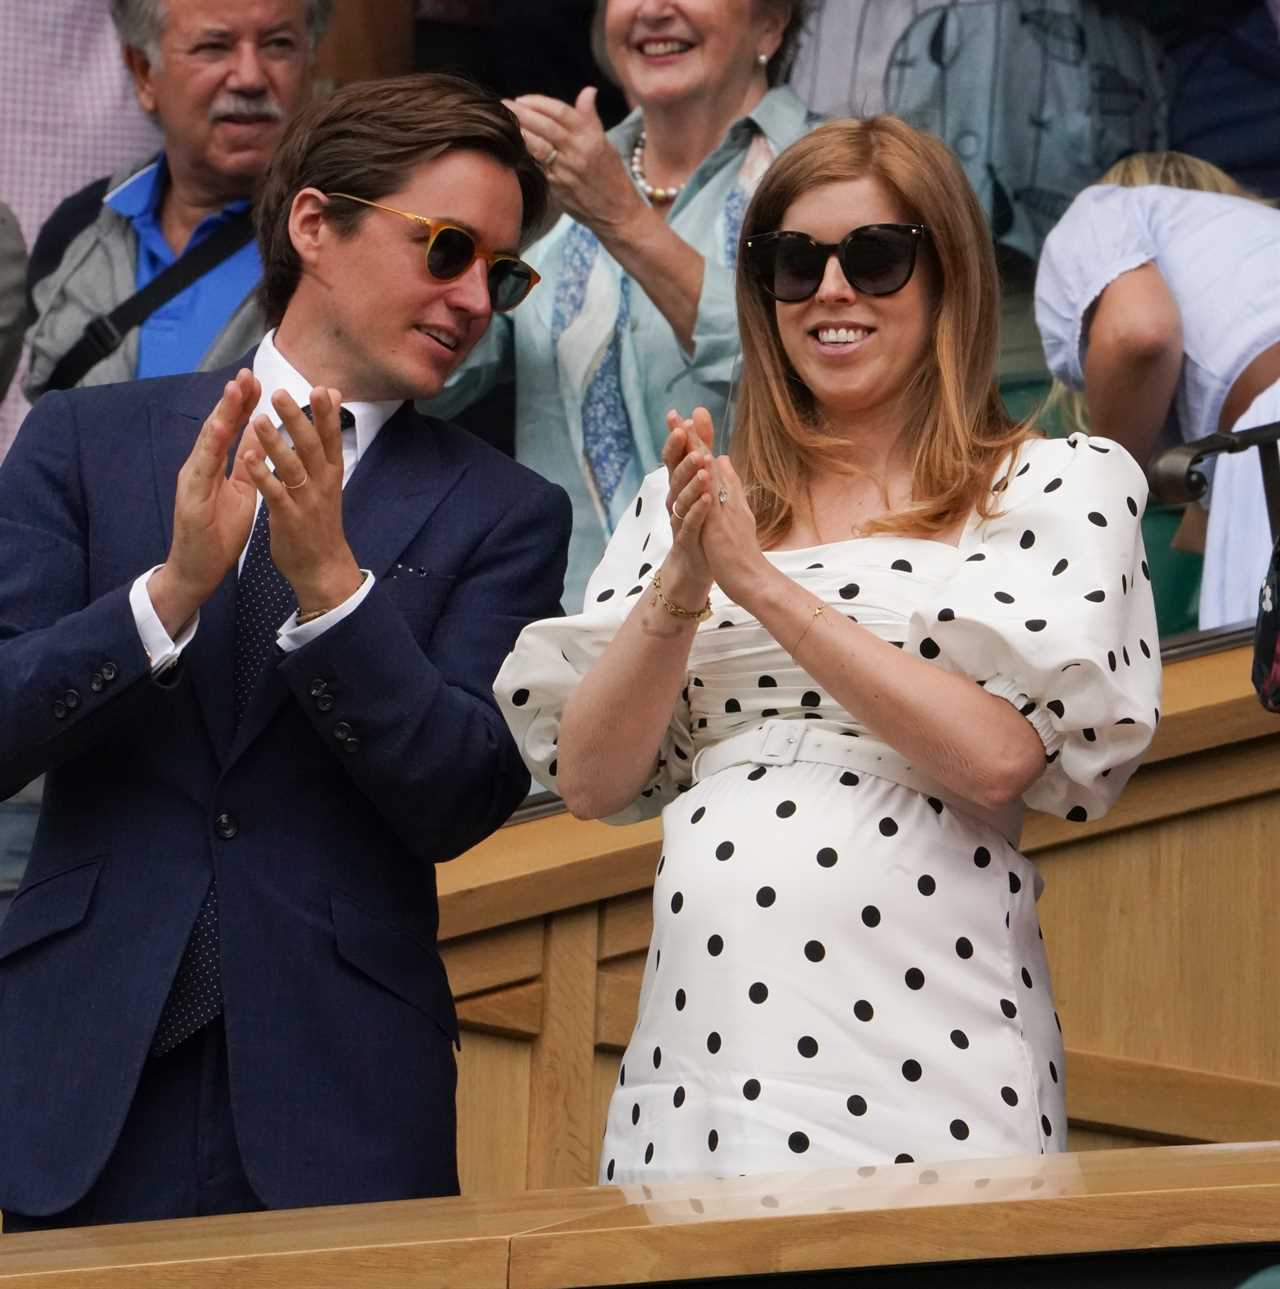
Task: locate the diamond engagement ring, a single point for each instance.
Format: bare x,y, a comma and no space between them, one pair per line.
722,496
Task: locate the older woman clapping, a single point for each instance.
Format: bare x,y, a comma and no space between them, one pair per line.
636,312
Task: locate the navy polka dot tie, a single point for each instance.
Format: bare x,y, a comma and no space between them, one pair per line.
264,599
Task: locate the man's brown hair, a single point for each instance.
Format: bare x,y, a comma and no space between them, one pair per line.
366,139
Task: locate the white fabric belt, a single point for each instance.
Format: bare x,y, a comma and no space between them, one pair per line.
782,742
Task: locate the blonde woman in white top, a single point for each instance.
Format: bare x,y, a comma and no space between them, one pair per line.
1157,300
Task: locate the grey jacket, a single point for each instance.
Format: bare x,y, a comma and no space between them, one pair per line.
97,273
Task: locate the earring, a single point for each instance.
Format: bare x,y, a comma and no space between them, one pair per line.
762,60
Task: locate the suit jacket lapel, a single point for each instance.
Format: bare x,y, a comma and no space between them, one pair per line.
391,494
209,656
398,484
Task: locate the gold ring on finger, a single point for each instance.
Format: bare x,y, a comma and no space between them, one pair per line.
293,487
675,514
550,159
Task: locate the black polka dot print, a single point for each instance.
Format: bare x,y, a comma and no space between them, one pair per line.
849,963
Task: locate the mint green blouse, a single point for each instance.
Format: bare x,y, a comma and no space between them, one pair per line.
596,365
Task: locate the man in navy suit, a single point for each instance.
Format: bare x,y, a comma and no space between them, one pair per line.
262,701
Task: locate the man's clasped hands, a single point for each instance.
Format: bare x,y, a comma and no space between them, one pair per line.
214,510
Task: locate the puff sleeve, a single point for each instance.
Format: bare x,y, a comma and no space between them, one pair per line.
1103,234
552,656
1051,609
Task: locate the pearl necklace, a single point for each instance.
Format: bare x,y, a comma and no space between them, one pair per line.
637,173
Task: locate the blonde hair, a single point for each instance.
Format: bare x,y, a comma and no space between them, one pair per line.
1142,170
1174,170
958,427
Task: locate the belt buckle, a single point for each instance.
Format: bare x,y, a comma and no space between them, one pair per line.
780,745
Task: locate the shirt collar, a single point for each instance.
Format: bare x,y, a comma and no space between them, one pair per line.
274,371
141,193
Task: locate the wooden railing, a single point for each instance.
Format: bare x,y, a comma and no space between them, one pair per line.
1160,922
1012,1218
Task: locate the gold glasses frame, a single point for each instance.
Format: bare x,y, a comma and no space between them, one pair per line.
479,251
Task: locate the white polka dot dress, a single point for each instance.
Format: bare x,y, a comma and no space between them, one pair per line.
846,969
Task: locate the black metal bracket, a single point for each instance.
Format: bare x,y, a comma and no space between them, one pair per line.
1174,478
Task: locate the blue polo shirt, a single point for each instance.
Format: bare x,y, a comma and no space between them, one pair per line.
178,334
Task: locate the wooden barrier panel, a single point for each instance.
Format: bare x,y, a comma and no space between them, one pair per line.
1159,922
949,1216
907,1214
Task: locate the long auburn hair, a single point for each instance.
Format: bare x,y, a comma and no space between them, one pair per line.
957,424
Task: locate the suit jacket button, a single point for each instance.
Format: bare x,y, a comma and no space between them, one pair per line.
109,671
72,699
352,744
96,682
318,687
325,702
59,710
342,731
225,826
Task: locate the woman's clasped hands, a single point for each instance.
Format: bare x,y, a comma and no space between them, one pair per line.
713,528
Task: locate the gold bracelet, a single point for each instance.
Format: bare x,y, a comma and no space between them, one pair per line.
813,617
693,615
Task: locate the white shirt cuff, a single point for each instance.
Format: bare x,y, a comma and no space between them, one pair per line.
292,637
162,652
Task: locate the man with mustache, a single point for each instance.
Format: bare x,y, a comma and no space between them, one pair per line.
221,78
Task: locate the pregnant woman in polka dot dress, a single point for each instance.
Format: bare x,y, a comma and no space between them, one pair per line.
779,651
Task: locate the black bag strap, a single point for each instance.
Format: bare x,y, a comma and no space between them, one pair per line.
106,333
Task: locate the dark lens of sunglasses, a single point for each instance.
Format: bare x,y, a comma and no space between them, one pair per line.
878,261
450,254
508,284
797,269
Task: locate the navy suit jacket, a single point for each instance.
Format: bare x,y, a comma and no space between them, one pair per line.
365,758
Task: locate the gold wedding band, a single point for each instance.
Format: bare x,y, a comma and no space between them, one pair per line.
675,514
293,487
550,159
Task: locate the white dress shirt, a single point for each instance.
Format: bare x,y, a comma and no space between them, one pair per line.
274,372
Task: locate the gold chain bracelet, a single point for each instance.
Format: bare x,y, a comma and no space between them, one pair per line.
692,615
813,617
